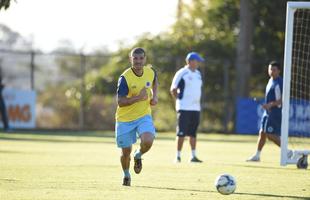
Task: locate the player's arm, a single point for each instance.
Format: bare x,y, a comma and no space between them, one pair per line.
271,104
174,85
154,99
126,101
174,92
277,102
122,92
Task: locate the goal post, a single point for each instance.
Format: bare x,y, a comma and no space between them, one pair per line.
296,82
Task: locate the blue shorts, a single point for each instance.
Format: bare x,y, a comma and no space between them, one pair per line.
126,132
271,125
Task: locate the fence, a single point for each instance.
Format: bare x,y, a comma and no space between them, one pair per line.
59,80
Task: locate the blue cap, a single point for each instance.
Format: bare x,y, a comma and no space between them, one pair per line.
194,56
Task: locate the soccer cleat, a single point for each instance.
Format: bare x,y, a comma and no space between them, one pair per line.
177,159
195,160
126,181
138,165
254,158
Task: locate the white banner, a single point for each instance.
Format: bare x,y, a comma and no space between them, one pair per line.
20,106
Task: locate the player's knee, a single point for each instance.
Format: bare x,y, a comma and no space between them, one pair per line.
126,153
147,143
147,138
125,156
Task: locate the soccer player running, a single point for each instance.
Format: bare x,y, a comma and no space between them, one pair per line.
186,89
136,92
271,120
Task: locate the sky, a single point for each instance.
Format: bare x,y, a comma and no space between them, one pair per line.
90,24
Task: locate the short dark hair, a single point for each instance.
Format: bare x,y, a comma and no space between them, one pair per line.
275,64
137,50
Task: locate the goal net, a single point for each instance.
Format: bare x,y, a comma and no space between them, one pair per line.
295,133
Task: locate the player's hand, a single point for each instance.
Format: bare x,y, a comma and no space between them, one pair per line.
266,106
154,101
143,94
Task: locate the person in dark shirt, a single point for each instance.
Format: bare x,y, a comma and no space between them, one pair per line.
271,120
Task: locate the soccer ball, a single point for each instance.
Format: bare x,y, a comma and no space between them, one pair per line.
225,184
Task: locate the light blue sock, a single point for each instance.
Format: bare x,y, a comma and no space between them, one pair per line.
126,173
138,154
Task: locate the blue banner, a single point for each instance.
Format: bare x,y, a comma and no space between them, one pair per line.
299,124
21,108
249,114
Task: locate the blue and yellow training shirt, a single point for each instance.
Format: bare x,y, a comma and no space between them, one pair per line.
129,84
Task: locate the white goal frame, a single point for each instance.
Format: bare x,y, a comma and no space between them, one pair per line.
291,8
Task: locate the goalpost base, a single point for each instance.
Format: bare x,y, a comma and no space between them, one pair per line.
297,154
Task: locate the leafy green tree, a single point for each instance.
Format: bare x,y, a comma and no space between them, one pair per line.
268,40
211,28
244,53
5,4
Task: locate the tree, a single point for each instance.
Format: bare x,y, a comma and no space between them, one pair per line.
243,61
12,40
217,30
5,4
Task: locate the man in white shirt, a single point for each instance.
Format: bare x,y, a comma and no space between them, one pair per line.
186,89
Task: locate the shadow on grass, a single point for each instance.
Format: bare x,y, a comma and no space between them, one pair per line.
223,139
256,165
62,133
236,193
273,195
8,180
14,136
110,134
54,140
171,188
12,152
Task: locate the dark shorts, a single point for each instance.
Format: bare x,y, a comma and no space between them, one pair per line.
271,125
188,122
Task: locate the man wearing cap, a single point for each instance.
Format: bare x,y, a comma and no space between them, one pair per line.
186,89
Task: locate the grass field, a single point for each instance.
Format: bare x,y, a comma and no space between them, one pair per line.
86,166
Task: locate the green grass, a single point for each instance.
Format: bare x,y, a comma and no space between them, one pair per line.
86,166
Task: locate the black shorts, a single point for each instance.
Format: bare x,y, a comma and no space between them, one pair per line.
188,122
